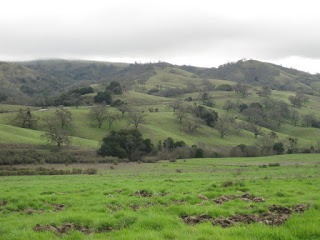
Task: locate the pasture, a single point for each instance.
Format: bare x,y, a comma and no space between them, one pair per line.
186,199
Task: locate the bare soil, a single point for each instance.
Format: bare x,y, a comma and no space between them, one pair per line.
245,197
277,215
64,228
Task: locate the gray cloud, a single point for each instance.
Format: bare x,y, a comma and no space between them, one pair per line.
165,30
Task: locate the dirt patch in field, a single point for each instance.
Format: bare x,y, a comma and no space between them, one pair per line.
31,211
142,194
178,201
114,208
3,203
277,215
192,220
64,228
267,218
57,207
135,207
300,208
203,197
245,197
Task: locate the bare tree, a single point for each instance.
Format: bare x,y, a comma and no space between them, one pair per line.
298,99
137,118
55,134
224,125
64,117
242,89
123,108
111,118
98,113
295,117
293,143
181,113
193,123
174,105
264,92
265,144
308,119
256,130
208,86
25,119
229,105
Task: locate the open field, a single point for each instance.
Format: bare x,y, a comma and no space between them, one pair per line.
16,135
172,195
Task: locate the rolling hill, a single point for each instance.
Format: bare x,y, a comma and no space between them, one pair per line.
156,86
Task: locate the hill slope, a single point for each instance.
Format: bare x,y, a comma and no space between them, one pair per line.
23,82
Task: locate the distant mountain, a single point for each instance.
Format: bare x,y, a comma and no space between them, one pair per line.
260,73
22,82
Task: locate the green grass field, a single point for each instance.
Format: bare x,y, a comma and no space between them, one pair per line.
106,207
16,135
163,124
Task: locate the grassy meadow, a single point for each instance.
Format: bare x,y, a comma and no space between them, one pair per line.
107,206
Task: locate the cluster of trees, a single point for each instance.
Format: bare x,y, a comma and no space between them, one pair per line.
125,143
74,97
3,97
106,96
57,126
298,100
129,143
70,98
82,91
269,144
25,119
270,113
193,117
100,113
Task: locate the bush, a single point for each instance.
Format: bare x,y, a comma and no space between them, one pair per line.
199,153
103,97
15,157
90,171
224,87
274,164
153,91
209,103
278,147
11,171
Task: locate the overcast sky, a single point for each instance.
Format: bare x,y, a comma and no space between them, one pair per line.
200,33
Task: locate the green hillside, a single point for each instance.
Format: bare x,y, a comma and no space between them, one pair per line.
156,86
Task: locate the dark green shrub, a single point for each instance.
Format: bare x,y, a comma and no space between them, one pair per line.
199,153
